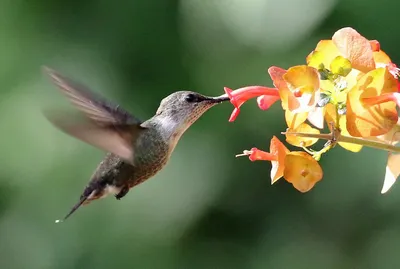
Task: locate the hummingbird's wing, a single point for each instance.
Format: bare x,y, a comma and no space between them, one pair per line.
93,105
106,126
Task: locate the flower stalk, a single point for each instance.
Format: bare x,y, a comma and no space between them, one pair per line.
348,139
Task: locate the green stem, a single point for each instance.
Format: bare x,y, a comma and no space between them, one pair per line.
337,117
348,139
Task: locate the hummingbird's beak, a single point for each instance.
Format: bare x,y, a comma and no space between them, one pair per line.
218,99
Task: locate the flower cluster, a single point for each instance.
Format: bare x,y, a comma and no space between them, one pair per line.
347,83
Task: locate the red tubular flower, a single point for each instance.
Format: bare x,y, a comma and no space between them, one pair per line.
240,96
276,156
266,101
258,155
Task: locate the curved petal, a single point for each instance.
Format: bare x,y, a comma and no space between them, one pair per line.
356,48
371,120
302,170
293,120
278,149
324,54
302,141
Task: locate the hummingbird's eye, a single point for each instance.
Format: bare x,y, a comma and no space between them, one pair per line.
191,98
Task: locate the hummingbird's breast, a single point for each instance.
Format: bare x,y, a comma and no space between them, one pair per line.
151,154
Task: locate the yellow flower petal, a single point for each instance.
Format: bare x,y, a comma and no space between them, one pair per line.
380,57
326,86
303,82
303,78
302,141
330,116
316,59
302,170
374,120
353,78
324,53
293,120
340,66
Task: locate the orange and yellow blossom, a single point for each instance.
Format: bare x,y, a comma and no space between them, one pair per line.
349,83
298,87
297,167
357,68
344,65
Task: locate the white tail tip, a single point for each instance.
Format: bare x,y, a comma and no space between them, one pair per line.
58,221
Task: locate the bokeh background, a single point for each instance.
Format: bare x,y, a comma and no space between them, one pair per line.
206,209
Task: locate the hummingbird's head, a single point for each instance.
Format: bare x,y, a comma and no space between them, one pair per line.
185,107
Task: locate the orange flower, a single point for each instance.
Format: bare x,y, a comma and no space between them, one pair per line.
347,43
349,83
368,112
276,155
302,170
298,168
297,87
348,65
266,97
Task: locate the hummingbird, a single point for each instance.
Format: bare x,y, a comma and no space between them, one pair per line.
136,150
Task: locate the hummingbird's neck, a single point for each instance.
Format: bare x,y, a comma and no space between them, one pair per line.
168,127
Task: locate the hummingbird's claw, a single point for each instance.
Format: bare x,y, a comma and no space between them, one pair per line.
122,193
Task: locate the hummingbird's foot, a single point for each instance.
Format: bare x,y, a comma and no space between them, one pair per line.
122,193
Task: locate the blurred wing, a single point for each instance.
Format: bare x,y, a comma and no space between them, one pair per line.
94,106
116,139
106,126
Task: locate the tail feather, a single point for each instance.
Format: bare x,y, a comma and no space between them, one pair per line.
88,194
95,190
76,206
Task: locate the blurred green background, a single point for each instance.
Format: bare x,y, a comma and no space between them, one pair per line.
206,209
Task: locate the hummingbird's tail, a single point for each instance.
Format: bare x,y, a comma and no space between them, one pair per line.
96,189
76,206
